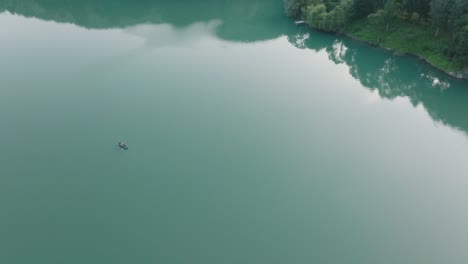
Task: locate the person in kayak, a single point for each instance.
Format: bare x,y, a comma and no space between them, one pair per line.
122,145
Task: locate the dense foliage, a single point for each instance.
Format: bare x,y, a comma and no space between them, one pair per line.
442,22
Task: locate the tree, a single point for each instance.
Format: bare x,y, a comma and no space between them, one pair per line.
455,12
320,16
422,7
362,8
385,16
293,8
439,14
343,13
461,40
377,19
316,15
391,10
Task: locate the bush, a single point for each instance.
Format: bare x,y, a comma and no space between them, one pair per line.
415,17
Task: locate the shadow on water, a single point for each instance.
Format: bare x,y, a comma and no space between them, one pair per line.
390,75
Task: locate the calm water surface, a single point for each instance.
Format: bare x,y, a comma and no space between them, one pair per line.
252,140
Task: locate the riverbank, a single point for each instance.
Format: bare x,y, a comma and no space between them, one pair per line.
409,39
448,68
412,39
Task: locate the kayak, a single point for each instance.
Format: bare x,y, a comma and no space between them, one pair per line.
123,146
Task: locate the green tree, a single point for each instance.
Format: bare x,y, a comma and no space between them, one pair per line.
456,10
316,14
343,13
377,19
293,8
439,14
461,40
422,7
332,17
391,10
383,17
362,8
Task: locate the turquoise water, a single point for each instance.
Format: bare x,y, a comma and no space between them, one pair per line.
252,140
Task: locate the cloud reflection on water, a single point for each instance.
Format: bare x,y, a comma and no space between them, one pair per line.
166,35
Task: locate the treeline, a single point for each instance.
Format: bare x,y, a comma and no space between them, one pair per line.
442,18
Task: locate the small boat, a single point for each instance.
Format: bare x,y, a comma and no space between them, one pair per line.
299,22
122,145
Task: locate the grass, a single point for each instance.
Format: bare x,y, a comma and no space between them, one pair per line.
406,37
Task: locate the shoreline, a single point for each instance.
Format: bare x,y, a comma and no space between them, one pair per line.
461,75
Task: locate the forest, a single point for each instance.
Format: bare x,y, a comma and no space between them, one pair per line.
436,30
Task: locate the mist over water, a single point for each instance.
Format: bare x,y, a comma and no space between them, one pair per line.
251,140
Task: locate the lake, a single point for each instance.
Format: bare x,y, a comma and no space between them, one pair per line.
251,140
